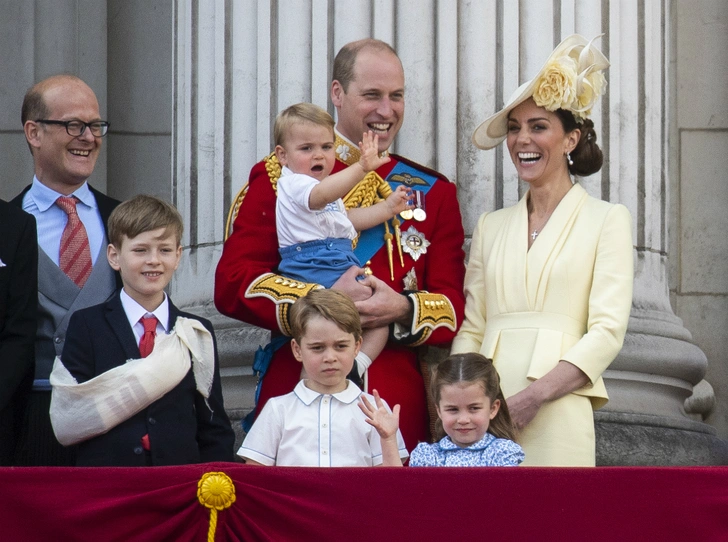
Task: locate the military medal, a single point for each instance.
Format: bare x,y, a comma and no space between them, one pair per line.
407,214
410,280
414,243
419,213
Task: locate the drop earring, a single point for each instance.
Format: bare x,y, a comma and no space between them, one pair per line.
568,159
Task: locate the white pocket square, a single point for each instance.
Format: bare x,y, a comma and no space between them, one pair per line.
2,264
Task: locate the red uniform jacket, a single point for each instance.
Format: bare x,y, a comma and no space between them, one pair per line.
252,252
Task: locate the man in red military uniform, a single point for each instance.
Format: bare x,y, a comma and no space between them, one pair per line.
417,262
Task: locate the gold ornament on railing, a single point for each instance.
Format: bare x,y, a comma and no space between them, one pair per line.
215,491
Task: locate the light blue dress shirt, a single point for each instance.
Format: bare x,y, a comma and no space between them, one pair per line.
51,219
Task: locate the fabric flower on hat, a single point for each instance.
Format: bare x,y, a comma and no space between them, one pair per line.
590,85
556,88
571,80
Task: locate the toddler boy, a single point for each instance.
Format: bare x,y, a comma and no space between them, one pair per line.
315,230
320,423
138,382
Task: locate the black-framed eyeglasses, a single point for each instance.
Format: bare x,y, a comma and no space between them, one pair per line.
75,128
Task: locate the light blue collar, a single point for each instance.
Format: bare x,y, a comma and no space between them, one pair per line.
45,197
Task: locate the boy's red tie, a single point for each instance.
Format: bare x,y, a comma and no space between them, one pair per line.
74,254
146,344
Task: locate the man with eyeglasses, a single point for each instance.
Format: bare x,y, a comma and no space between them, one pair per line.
64,131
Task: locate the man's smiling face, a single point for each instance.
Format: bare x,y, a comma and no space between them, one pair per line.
63,162
374,99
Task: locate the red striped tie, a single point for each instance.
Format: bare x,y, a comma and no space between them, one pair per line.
75,255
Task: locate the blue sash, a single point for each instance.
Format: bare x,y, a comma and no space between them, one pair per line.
371,240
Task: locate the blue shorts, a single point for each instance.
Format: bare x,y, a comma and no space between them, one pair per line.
321,261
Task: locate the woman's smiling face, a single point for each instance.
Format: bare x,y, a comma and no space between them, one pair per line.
538,144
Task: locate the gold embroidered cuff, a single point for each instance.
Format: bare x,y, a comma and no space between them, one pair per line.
283,292
430,312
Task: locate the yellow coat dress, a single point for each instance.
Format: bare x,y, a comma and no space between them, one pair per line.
567,298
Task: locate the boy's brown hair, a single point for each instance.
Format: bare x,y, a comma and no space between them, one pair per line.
303,112
332,305
141,214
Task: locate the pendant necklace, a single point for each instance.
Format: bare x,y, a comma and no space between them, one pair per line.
536,231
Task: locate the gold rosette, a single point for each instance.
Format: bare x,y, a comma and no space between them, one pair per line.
215,491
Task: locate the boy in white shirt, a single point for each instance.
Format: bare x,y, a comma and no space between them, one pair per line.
315,230
321,423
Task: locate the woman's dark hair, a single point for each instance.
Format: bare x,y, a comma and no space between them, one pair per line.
472,368
587,156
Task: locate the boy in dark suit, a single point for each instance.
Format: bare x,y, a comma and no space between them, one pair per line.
122,407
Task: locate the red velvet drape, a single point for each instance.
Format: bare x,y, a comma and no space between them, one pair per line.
378,504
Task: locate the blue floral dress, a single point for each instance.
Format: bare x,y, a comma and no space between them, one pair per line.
487,452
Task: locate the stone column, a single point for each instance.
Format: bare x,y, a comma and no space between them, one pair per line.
39,39
203,147
646,421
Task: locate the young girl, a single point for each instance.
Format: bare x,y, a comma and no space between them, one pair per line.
474,419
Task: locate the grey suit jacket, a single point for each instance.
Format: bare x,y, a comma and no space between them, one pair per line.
59,296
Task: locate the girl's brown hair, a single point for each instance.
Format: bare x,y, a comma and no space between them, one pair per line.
472,368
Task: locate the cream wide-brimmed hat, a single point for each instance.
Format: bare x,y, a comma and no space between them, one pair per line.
570,79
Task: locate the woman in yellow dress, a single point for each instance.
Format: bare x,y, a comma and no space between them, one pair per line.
549,281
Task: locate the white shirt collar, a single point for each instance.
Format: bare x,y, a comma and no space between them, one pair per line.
308,396
134,311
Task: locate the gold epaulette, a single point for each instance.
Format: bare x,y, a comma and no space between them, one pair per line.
430,312
283,292
273,167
